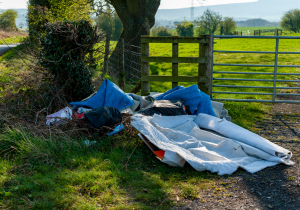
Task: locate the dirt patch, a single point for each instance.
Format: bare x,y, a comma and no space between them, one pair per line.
8,34
272,188
288,108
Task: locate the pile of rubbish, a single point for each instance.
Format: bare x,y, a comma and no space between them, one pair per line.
181,125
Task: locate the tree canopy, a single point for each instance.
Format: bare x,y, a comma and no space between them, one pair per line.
291,20
228,26
110,23
160,31
185,29
43,11
208,22
8,20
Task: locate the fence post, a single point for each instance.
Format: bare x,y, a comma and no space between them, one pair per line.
276,32
145,71
107,42
175,55
210,64
275,69
121,65
259,32
205,68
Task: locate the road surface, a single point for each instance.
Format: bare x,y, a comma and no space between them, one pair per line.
4,48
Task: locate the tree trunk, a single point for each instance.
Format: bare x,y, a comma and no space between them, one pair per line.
137,17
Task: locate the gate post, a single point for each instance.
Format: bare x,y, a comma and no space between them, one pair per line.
145,67
205,50
175,55
275,70
210,64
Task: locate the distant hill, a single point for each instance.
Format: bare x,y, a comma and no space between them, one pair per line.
257,23
22,13
271,10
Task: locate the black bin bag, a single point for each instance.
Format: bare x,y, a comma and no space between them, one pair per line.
103,116
164,108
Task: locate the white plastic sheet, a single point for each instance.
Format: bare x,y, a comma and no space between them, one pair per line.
184,141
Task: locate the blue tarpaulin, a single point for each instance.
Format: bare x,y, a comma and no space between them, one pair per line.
196,100
108,94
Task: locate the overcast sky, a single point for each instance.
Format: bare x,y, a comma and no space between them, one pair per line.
165,4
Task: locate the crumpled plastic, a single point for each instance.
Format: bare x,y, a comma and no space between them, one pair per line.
117,129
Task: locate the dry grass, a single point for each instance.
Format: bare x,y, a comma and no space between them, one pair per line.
9,34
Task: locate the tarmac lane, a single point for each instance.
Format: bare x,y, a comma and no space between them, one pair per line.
5,48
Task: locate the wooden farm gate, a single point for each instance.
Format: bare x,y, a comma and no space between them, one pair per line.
203,78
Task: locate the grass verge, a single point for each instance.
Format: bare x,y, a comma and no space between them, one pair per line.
64,173
12,40
11,67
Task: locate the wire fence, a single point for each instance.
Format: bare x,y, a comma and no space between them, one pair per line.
124,63
132,60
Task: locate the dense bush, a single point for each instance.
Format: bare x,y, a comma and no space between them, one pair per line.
185,29
161,31
8,20
64,51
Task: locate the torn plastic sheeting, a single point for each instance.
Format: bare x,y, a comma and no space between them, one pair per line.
82,110
233,131
109,94
55,118
117,129
195,99
184,141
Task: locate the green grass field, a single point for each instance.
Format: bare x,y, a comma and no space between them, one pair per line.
12,40
63,173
